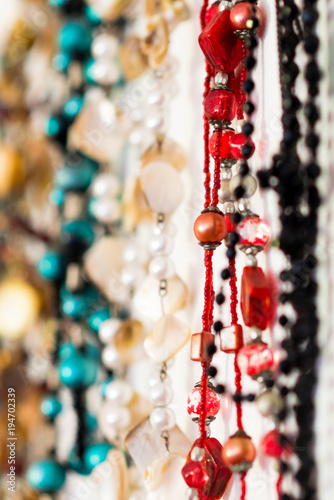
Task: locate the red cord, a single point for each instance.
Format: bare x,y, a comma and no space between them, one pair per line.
216,178
206,137
243,486
243,75
208,293
279,485
234,292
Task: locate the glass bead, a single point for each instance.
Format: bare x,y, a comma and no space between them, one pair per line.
75,37
231,338
46,476
199,346
219,474
248,182
224,144
220,104
254,231
78,370
98,317
272,447
255,359
221,47
211,12
212,404
51,266
95,454
169,335
255,300
237,143
195,474
51,407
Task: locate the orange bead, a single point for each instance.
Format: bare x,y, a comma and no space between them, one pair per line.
242,14
239,452
210,227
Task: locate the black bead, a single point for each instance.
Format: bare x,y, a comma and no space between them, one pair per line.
247,129
312,73
239,192
237,218
312,140
234,238
246,151
284,391
249,107
220,389
225,274
212,371
249,62
220,299
311,112
248,86
251,42
310,16
311,44
283,320
244,169
269,383
313,170
230,253
217,326
211,349
250,398
237,398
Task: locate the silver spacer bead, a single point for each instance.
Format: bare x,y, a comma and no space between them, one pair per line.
221,78
197,454
255,334
251,260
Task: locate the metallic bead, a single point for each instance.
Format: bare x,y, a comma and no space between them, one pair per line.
269,403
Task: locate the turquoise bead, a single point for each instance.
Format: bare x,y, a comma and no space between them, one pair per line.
66,350
78,370
51,266
103,386
93,352
46,476
58,3
92,16
51,407
76,464
75,37
82,229
53,126
91,422
62,61
96,318
88,71
57,197
73,105
74,179
96,454
75,306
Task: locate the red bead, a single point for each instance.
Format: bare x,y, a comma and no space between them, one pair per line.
210,227
221,47
219,474
254,231
272,447
220,104
195,474
199,346
230,224
241,17
224,144
238,141
211,12
212,403
255,301
255,358
231,339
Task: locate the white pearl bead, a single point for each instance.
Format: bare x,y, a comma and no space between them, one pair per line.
110,357
105,71
131,252
155,378
156,98
119,392
108,329
156,123
104,45
105,185
132,274
113,417
161,394
161,268
106,210
162,419
161,244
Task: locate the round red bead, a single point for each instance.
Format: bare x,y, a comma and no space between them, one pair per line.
220,104
255,358
242,14
254,231
212,404
210,227
238,141
195,474
221,145
271,445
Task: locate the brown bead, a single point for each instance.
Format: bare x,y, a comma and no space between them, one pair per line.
241,17
210,227
239,449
